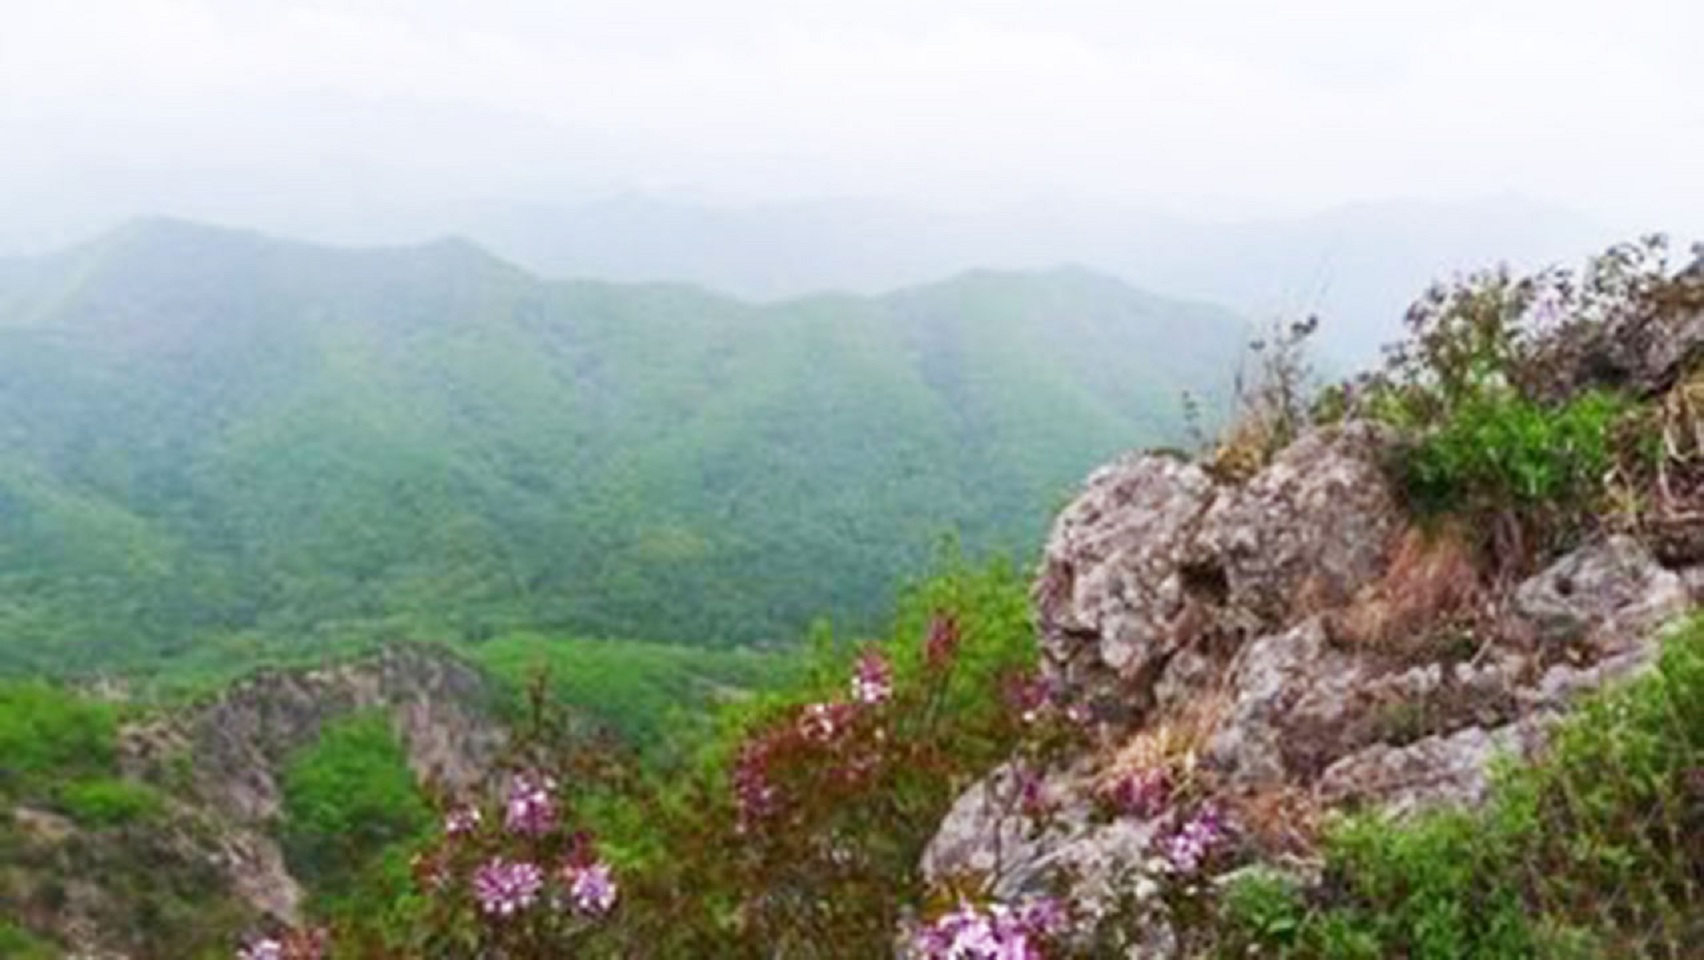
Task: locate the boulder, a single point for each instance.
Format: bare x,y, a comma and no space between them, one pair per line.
1604,599
1111,601
1310,529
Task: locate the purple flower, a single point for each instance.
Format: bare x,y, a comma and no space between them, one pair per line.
995,932
592,888
1140,794
1188,847
753,793
264,948
1027,695
872,680
529,809
1032,790
504,888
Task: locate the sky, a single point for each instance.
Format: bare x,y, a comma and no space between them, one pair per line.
246,109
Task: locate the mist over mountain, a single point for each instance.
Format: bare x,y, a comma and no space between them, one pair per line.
217,438
1357,266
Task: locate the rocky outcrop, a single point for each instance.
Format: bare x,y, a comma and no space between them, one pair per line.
440,707
1156,559
222,758
1220,615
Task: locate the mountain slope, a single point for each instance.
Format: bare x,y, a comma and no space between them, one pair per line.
212,437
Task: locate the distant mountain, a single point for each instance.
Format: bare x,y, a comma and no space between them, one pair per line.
210,437
1357,266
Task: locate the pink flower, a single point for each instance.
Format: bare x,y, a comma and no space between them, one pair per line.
872,680
1188,847
753,793
592,888
996,931
1142,793
530,809
504,888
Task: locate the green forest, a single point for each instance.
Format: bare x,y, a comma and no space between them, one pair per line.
221,449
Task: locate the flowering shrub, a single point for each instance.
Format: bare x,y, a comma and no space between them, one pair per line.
515,882
800,833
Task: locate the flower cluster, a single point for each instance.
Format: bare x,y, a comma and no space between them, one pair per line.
503,888
754,795
1027,695
530,809
995,931
462,820
822,722
1185,849
591,888
815,727
872,681
1140,793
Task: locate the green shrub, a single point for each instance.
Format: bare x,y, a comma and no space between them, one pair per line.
18,944
48,733
348,799
110,802
1499,457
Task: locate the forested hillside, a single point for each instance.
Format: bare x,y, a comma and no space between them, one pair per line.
217,441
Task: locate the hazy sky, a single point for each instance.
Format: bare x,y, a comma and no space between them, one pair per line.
240,107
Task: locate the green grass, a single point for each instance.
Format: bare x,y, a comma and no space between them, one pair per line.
350,801
110,802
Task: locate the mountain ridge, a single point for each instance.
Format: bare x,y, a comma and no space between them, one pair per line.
209,427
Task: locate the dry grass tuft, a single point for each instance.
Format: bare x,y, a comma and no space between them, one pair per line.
1280,819
1435,577
1169,745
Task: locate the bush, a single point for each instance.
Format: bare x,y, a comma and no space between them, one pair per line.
348,799
1516,465
48,734
110,802
18,944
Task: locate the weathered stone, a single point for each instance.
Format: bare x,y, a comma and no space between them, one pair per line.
1211,604
1438,771
1110,602
1269,680
1608,597
1310,529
